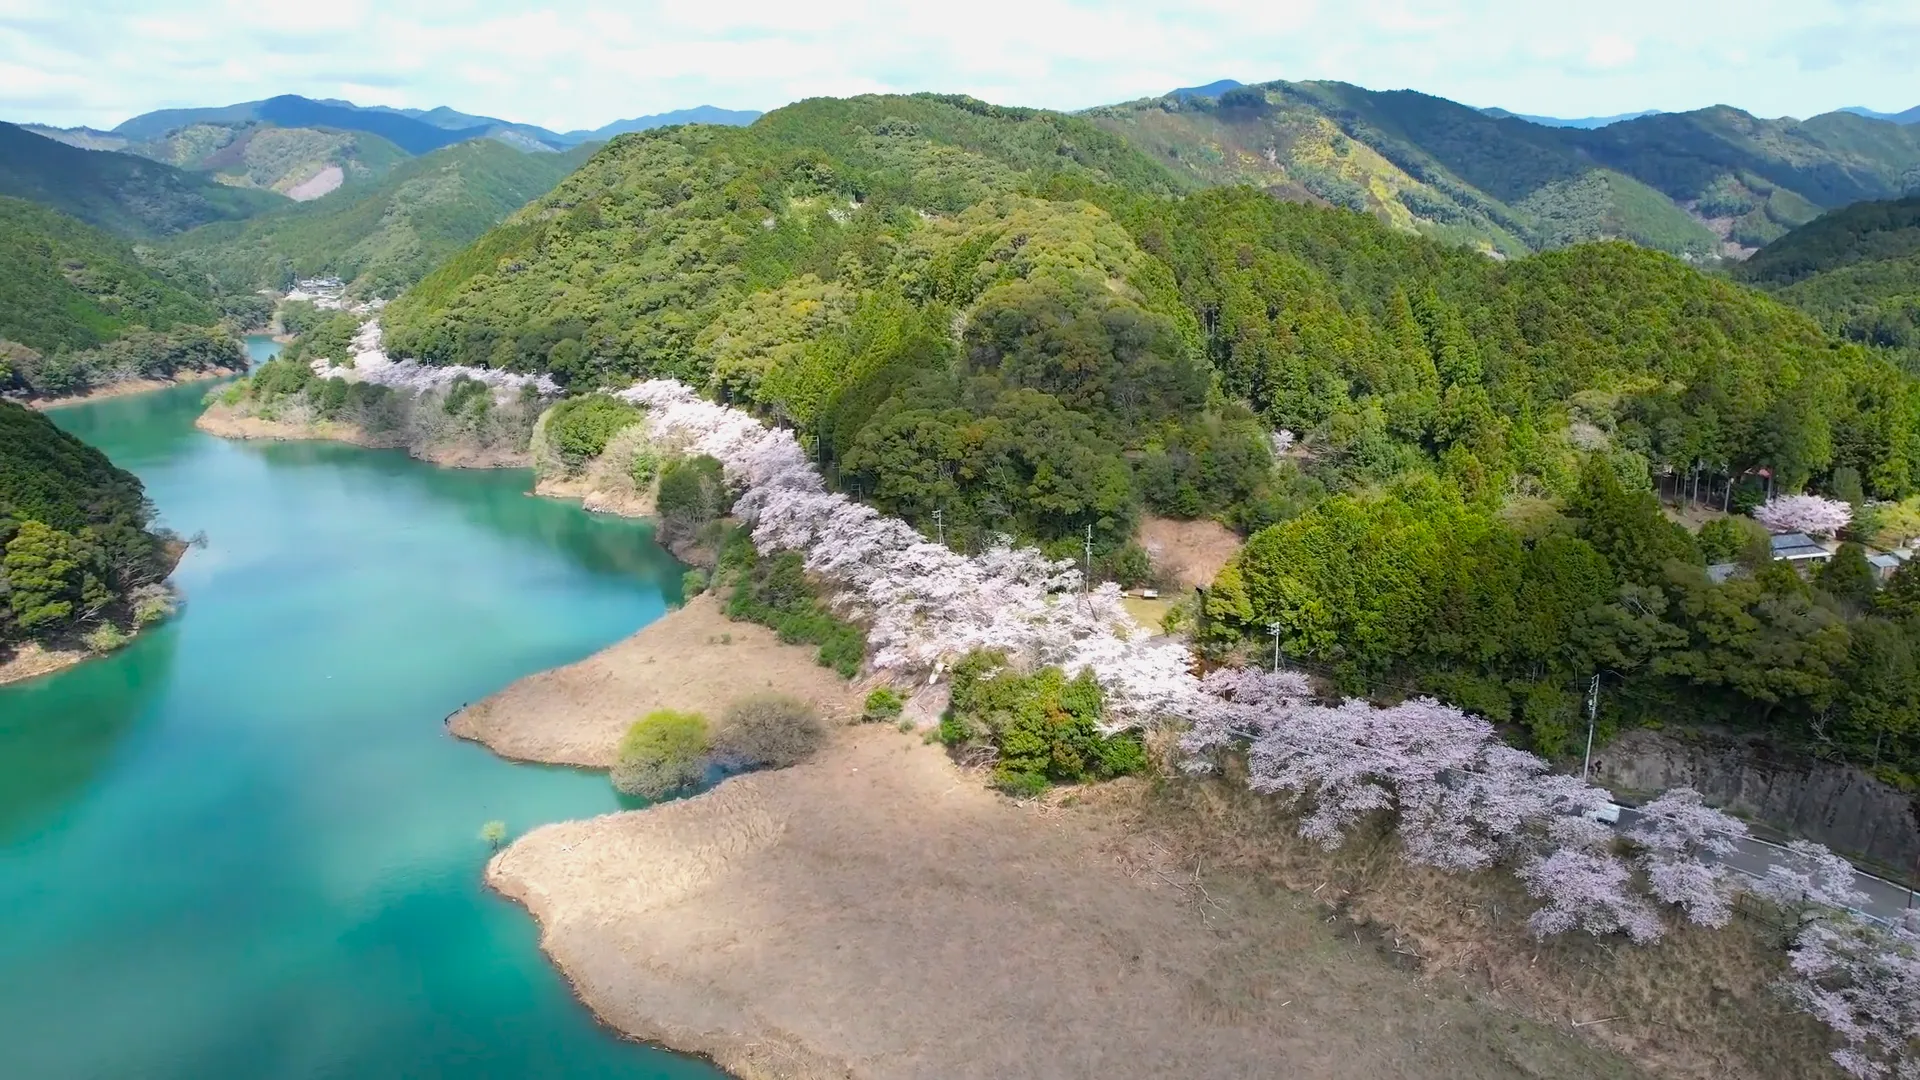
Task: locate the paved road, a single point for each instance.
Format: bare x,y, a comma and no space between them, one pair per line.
1885,900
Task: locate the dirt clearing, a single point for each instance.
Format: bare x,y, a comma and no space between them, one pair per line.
695,658
878,913
1189,552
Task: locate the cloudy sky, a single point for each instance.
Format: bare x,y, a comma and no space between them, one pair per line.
581,63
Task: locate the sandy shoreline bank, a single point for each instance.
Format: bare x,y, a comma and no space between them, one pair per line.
877,912
132,386
229,423
30,660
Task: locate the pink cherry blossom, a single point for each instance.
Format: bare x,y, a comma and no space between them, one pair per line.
1808,514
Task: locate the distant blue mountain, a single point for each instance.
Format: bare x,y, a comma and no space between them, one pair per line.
1587,122
1911,116
699,114
1212,89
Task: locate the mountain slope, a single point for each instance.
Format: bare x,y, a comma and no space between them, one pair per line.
121,193
1910,116
1857,270
68,285
700,114
383,235
293,111
1690,183
301,163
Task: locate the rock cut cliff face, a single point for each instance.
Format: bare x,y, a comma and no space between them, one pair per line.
1837,805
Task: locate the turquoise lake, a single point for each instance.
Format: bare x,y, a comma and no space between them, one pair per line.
245,846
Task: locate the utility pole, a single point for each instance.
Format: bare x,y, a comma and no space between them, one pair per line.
940,526
1274,629
1593,713
1086,577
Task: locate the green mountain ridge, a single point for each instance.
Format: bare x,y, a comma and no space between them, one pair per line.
1703,184
122,193
1856,270
382,234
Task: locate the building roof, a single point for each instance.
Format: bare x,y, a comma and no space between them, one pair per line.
1720,572
1885,561
1790,540
1792,546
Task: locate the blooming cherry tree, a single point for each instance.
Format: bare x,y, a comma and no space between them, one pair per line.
1680,837
1809,514
1863,981
1587,890
372,365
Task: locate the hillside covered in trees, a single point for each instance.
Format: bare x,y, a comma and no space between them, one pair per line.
79,552
1016,322
381,235
1856,270
124,194
78,308
1698,183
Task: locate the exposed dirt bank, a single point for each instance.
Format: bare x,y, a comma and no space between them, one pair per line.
1190,552
694,658
596,498
30,660
131,386
230,423
877,912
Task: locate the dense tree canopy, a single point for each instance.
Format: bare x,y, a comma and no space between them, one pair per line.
73,529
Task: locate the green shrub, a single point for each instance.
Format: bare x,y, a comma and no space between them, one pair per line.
692,584
277,378
105,638
1044,725
494,833
883,704
1731,539
578,428
662,752
693,491
775,593
770,731
1020,785
643,468
464,391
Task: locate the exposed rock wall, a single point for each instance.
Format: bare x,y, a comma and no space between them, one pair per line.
1838,805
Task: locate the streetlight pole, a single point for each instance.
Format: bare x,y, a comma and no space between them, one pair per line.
940,526
1274,629
1593,711
1086,576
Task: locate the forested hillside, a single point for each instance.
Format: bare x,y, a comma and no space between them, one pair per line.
78,309
1856,270
121,193
290,160
1012,321
380,236
75,535
67,285
1700,183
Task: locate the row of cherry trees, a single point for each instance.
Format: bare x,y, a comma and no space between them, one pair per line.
1461,798
372,364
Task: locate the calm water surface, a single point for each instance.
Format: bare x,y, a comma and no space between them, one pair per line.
244,846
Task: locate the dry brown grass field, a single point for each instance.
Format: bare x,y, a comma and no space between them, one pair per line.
879,912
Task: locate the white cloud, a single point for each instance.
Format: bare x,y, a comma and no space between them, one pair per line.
581,63
1610,51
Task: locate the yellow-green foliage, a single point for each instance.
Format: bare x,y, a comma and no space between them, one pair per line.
662,752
